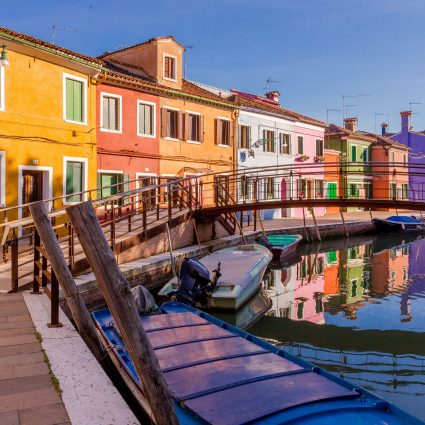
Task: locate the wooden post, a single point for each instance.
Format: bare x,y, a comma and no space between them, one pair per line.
315,226
370,213
343,222
196,232
262,226
59,265
117,293
170,249
305,227
15,264
239,227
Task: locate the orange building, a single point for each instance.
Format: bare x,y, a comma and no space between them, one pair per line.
331,176
390,180
196,126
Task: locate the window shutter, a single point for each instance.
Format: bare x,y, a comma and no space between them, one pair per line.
201,129
165,130
186,127
69,113
218,131
230,133
78,101
105,115
180,124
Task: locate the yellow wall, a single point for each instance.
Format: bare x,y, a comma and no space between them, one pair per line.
33,128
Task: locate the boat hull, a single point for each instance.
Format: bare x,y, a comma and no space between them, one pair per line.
388,226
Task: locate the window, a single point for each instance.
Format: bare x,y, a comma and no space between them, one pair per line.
393,191
332,190
171,123
169,67
319,147
300,145
332,257
146,119
244,136
269,188
353,153
284,144
302,184
2,96
404,160
222,132
75,179
75,99
392,156
268,141
193,127
353,190
113,182
245,188
405,191
319,185
111,113
2,179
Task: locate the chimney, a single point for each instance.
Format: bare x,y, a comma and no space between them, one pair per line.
350,124
405,121
384,127
273,96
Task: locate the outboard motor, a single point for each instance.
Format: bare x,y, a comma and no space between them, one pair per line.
262,240
194,283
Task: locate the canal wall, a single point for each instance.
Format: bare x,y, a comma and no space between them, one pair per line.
156,269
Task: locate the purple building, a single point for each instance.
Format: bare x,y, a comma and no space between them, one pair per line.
415,141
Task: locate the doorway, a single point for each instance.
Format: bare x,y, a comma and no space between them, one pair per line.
144,180
32,188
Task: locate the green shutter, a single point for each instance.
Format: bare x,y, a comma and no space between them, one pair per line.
332,257
74,100
74,180
332,190
69,100
353,153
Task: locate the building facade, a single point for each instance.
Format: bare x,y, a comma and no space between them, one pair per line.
48,118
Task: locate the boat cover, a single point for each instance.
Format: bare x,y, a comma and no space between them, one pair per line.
404,219
282,240
216,373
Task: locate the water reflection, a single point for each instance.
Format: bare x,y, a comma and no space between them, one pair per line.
356,309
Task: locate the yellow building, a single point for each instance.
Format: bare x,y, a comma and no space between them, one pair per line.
47,121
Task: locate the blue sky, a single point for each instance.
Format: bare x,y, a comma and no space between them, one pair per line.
317,49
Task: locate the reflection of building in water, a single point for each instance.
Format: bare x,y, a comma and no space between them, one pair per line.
331,286
354,281
297,292
390,271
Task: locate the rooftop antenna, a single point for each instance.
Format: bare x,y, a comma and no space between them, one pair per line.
270,81
413,113
358,102
330,110
344,96
184,59
59,28
353,105
378,114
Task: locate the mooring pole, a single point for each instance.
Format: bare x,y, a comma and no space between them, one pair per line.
305,227
116,290
262,226
315,226
343,222
196,232
60,268
170,249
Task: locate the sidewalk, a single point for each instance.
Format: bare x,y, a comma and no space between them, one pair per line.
27,393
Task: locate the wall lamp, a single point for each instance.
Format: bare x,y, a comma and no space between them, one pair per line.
3,56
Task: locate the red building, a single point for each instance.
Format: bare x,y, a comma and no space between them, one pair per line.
127,135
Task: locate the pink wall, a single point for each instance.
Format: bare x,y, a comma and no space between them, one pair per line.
126,151
316,171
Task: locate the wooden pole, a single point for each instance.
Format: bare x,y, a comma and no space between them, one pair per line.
170,248
60,268
262,227
370,213
239,227
319,238
305,227
343,222
117,293
196,232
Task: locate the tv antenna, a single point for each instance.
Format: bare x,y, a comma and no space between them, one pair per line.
270,81
59,28
190,47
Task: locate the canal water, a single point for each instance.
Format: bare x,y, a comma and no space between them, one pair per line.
354,307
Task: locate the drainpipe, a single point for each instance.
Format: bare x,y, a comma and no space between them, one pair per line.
235,116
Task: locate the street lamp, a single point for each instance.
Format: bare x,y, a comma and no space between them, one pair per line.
3,56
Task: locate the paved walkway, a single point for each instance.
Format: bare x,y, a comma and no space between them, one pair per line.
27,395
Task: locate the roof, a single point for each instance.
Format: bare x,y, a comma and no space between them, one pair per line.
336,130
53,48
144,43
261,103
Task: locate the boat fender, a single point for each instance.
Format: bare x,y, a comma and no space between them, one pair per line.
144,300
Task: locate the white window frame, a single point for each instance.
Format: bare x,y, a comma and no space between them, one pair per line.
85,163
84,103
167,55
221,145
195,142
2,92
2,179
115,96
286,133
154,105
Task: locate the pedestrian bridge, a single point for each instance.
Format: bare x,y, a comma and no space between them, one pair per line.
143,209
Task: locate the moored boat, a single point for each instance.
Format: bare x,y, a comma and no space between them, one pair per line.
218,374
241,270
395,224
281,246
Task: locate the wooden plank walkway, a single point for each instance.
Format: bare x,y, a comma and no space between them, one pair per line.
27,394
